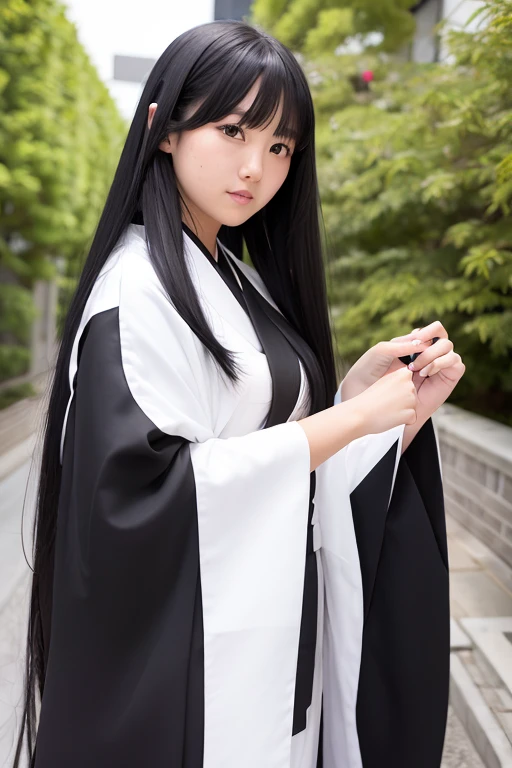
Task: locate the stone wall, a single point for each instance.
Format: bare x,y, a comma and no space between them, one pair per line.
476,459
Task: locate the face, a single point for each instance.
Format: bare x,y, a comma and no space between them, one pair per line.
219,158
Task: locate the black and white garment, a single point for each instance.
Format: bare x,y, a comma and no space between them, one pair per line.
214,603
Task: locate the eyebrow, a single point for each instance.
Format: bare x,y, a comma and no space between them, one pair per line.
289,133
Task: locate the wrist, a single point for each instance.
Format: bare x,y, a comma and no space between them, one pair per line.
351,387
352,418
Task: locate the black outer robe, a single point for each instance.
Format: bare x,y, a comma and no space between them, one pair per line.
125,672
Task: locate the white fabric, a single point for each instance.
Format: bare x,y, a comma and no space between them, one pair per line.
343,627
104,295
252,490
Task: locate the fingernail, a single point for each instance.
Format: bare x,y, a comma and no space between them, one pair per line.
416,342
411,366
424,371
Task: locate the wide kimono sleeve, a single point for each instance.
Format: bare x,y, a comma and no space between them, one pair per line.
179,563
386,643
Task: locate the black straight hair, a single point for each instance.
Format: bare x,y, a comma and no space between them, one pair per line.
211,67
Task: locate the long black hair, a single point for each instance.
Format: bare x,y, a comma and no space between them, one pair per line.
214,66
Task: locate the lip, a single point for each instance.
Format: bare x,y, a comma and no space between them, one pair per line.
242,197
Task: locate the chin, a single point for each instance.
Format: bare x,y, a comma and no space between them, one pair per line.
234,219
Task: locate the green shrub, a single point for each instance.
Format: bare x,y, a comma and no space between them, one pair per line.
14,361
13,394
416,184
60,138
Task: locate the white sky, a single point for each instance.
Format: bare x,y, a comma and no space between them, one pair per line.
109,27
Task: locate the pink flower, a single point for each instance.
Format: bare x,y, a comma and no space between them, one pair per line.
367,76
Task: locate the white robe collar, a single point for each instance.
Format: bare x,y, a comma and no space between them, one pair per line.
212,287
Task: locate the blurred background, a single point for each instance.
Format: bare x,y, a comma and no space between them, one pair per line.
414,150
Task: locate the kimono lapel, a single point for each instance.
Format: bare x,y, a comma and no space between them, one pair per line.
214,291
281,358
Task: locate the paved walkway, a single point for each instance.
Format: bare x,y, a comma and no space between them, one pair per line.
481,664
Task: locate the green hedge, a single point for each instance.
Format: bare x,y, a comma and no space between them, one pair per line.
13,394
14,361
60,140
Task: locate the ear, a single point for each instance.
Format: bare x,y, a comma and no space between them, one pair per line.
164,145
151,113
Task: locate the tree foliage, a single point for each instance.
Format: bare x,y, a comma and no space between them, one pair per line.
314,26
60,138
416,185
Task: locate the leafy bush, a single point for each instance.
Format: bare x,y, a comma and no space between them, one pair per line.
416,184
60,139
14,361
13,394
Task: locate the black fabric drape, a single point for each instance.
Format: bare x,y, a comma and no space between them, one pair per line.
124,683
403,688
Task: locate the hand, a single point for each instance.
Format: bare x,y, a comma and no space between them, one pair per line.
437,370
389,402
378,361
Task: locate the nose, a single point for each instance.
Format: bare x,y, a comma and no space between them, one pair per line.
252,167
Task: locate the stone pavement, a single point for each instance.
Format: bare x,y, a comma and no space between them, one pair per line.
13,618
481,639
459,751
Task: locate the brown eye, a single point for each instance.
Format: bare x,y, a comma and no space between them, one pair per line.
288,150
232,127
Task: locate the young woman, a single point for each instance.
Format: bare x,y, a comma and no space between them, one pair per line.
235,566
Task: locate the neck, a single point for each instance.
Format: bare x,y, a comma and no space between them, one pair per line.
205,232
200,244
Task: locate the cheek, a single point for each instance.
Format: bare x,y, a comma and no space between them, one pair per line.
200,159
275,176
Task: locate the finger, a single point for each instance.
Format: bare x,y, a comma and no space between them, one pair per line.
407,336
429,331
441,363
431,353
401,348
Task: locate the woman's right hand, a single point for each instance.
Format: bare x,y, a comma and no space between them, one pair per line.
387,403
390,401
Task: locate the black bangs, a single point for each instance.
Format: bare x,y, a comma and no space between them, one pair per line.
231,75
276,85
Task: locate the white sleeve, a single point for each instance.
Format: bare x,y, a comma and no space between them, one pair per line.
252,505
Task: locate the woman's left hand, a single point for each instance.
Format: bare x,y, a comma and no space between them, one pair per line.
437,370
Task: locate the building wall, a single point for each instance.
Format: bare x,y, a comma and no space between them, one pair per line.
457,14
424,46
476,457
232,9
427,45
